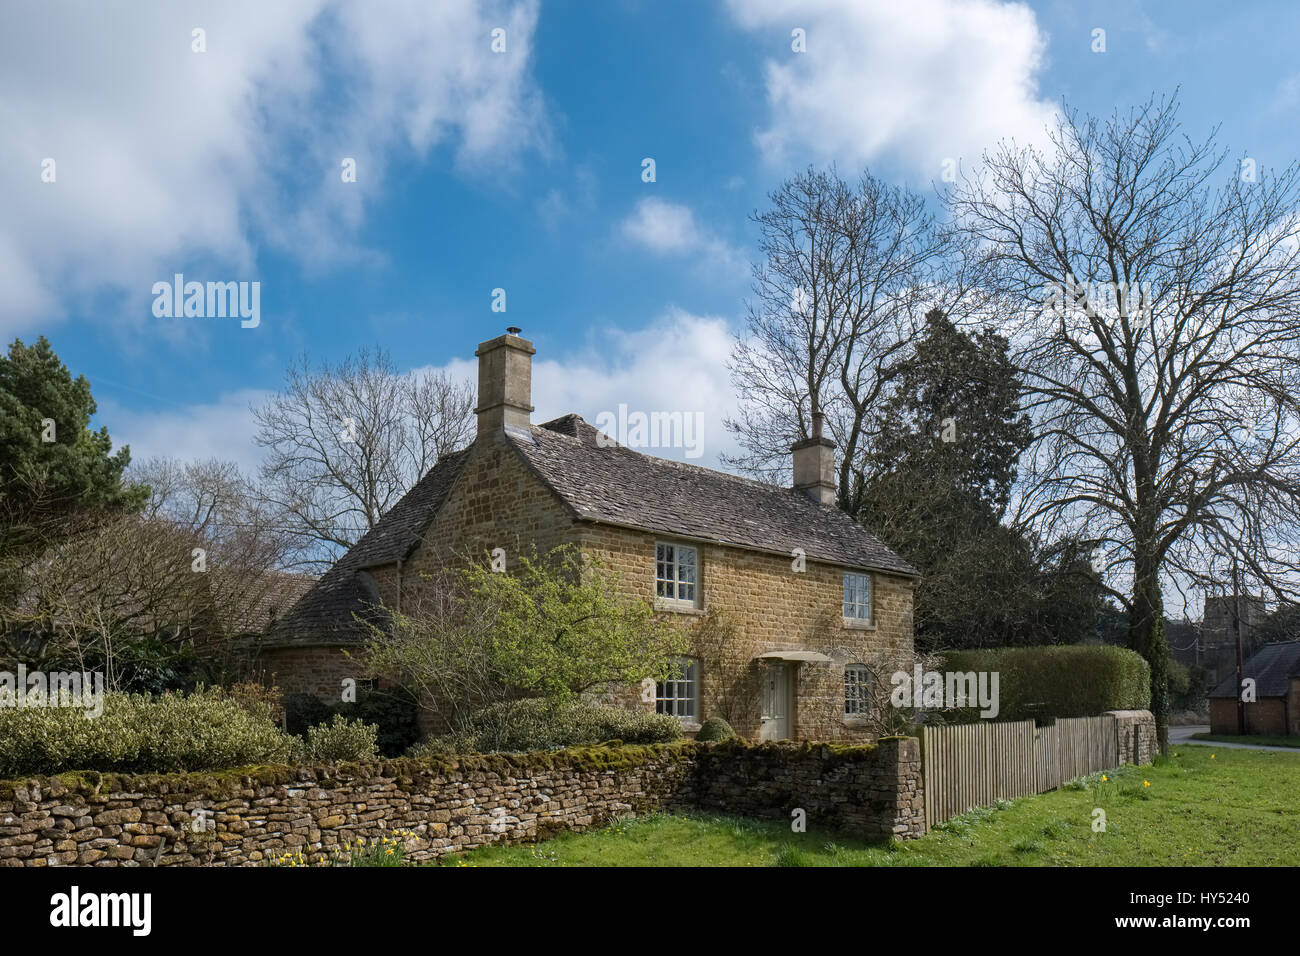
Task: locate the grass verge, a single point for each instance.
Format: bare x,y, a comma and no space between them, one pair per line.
1198,807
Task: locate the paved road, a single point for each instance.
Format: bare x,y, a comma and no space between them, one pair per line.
1182,735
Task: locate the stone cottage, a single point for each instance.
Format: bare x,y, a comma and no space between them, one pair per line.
817,608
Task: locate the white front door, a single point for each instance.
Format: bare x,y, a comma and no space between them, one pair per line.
778,700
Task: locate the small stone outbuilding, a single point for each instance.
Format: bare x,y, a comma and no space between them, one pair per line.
1275,710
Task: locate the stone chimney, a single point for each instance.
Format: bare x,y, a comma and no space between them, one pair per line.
814,465
505,383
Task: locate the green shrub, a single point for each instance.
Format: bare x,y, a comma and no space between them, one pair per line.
1061,681
145,665
715,730
395,712
139,734
302,711
341,739
536,724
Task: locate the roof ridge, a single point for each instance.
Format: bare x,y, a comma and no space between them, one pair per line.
766,485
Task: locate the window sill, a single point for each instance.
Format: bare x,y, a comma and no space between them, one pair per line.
856,723
678,608
857,624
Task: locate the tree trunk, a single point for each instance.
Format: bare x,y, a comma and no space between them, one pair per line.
1147,637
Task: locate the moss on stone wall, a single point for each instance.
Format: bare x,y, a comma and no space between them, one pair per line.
609,756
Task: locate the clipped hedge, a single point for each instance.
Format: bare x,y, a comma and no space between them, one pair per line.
525,725
139,734
714,730
1042,683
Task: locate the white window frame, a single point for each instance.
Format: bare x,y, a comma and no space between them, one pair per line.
857,690
673,580
855,609
680,697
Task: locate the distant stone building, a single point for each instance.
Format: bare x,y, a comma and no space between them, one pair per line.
818,603
1212,643
1222,611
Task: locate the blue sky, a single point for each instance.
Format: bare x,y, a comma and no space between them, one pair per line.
518,170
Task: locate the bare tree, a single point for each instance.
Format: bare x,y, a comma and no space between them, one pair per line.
345,442
194,569
243,538
837,298
1160,341
123,580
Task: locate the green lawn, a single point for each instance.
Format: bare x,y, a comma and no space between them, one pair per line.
1253,739
1199,807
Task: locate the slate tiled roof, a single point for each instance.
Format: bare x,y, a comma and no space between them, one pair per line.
620,486
1272,667
327,613
397,532
609,484
277,593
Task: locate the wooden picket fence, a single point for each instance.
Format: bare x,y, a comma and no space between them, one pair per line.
974,765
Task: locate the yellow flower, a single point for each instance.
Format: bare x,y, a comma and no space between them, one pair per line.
1104,778
1211,756
1146,783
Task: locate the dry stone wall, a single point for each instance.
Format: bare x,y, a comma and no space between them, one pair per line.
871,791
251,817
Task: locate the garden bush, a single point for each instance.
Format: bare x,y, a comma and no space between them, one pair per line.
1062,681
715,730
341,739
394,711
302,711
139,734
537,724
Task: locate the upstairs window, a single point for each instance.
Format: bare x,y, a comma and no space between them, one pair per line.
677,573
857,597
857,691
680,696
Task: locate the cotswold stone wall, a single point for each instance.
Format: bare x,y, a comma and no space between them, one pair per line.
1137,735
449,804
873,791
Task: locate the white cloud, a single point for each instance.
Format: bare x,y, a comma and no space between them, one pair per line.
667,228
162,152
678,363
224,429
920,82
